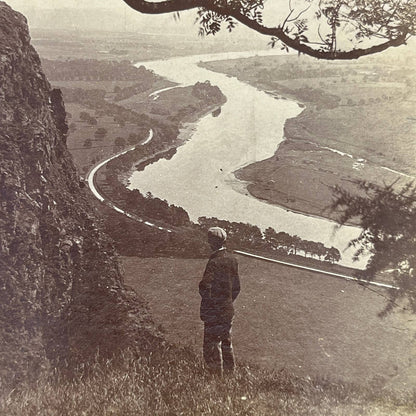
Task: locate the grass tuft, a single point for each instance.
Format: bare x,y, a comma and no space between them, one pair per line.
174,382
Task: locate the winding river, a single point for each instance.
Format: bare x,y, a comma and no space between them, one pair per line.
199,177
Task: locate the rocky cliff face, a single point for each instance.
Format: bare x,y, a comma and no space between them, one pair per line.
61,291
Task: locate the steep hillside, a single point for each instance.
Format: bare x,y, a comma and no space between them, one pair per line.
61,291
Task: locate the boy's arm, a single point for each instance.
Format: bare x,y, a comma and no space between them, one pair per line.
206,282
236,282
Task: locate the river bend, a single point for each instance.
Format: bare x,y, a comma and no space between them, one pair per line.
199,177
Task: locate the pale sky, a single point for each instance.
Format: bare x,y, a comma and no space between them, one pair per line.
28,6
275,11
136,21
164,23
82,4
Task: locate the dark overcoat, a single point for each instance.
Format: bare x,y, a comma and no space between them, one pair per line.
219,287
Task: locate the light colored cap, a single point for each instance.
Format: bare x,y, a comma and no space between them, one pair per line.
217,232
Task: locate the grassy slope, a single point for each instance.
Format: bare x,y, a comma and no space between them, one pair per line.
329,327
285,318
173,382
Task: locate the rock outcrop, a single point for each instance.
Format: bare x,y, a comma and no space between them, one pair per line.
61,290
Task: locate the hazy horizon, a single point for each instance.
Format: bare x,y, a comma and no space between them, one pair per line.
116,16
51,4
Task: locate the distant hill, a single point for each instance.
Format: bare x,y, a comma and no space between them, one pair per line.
84,19
124,19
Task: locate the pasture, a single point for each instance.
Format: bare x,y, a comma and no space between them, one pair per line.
310,324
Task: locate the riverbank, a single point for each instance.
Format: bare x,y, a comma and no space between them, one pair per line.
185,133
300,177
249,128
348,113
173,115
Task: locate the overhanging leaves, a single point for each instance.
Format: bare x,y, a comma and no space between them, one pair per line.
314,27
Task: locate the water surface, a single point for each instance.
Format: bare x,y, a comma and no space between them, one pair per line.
250,128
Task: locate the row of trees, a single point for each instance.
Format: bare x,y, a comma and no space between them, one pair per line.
156,208
143,206
97,70
240,235
250,237
94,99
292,244
189,240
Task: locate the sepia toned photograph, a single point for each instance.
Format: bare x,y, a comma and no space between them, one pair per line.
208,207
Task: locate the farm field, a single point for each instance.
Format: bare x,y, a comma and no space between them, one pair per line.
100,147
310,324
128,121
358,122
132,46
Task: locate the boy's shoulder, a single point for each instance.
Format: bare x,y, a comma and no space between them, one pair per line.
223,255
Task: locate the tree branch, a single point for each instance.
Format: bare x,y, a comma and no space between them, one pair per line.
170,6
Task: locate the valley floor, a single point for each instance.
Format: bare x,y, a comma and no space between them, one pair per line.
357,123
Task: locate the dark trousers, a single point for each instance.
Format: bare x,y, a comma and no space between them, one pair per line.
218,349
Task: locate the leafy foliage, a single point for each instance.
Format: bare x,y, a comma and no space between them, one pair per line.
316,27
388,221
250,237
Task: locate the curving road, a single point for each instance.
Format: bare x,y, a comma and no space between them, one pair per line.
96,193
94,190
155,94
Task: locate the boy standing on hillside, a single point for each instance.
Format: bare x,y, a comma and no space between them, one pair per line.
218,288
